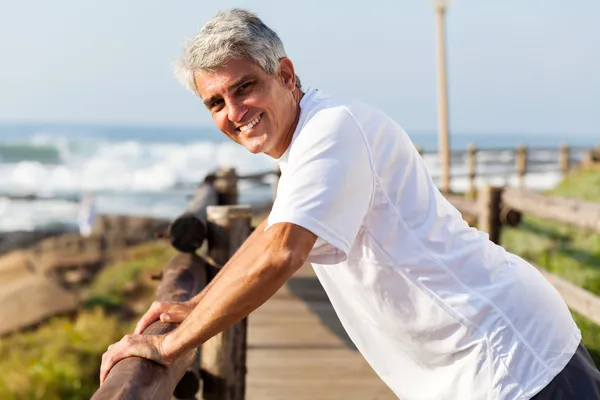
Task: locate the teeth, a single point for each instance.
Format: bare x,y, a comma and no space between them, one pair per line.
251,124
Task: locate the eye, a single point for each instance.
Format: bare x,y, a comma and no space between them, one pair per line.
216,103
245,86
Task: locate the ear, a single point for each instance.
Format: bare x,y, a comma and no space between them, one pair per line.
287,73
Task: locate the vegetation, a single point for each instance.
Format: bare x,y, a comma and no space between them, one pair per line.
571,253
61,359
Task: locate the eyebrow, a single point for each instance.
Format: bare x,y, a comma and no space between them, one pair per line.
233,86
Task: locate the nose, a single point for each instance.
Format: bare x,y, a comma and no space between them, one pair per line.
236,111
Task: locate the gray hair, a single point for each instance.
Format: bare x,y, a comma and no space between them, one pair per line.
229,35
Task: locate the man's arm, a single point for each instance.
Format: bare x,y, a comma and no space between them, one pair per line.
246,282
250,241
176,312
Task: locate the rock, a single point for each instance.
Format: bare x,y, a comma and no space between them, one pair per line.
15,266
10,241
29,301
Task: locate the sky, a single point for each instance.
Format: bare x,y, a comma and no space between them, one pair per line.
514,66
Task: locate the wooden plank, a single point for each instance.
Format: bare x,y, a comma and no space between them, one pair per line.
298,350
578,299
581,214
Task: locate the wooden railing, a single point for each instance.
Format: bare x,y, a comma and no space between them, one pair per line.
496,207
519,162
217,370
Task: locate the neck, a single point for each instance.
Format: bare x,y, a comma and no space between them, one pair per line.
287,139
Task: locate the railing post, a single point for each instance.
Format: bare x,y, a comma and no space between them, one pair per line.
489,203
225,184
472,166
564,159
521,163
188,231
224,356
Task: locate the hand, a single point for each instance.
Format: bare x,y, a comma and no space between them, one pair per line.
167,312
145,346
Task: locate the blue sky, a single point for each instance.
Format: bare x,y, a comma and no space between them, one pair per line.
515,66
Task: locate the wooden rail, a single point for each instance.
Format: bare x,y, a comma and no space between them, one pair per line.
139,378
219,368
496,207
574,212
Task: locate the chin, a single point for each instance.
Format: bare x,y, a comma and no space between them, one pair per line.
256,146
254,150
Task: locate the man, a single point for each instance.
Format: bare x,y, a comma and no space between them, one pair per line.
438,310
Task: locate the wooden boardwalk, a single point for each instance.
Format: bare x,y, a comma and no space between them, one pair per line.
298,350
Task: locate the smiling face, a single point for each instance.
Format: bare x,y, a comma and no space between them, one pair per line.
253,108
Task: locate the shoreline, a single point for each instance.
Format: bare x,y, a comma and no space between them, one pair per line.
20,239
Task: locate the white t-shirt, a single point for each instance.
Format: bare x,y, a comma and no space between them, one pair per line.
438,310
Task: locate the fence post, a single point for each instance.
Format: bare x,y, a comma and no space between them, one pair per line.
472,166
489,204
224,356
188,231
564,159
225,184
521,163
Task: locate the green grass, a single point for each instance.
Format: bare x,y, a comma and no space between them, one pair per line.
583,185
568,252
61,358
116,284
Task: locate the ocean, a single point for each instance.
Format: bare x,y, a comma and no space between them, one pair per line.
151,171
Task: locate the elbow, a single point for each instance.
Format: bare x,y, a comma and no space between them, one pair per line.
286,260
286,249
278,265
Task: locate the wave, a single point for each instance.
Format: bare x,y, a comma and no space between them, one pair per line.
47,165
14,153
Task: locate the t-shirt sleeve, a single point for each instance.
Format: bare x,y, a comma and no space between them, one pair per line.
328,184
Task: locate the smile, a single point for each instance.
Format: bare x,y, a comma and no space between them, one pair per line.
251,125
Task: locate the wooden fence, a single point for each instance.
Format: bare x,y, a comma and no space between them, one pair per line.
497,207
217,370
473,163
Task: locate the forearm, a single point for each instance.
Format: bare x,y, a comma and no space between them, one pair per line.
246,284
246,245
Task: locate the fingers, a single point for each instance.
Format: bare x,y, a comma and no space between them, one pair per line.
131,346
175,314
153,313
109,359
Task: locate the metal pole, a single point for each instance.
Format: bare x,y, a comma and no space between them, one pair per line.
443,140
